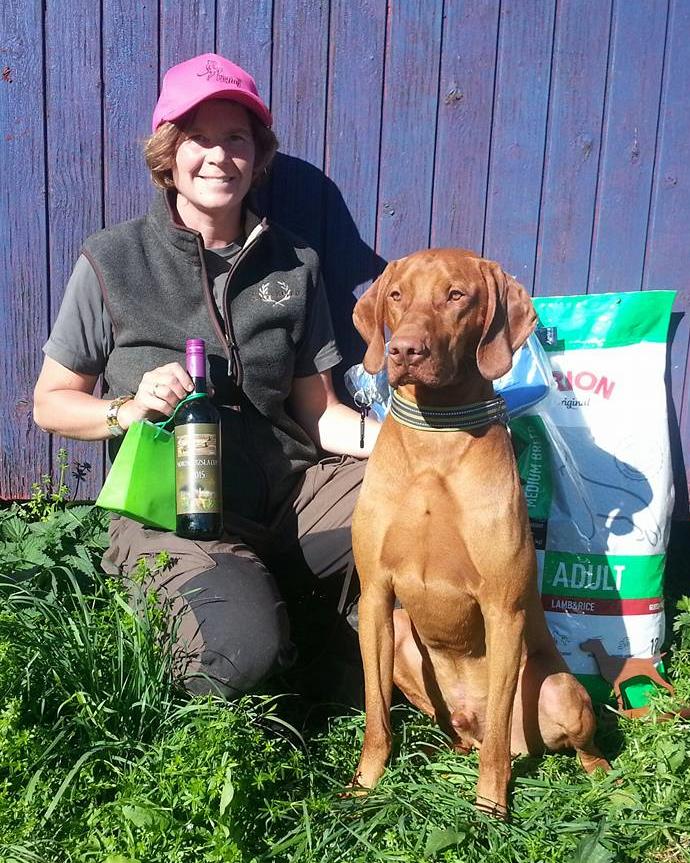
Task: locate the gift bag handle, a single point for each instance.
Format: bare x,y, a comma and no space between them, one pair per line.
161,426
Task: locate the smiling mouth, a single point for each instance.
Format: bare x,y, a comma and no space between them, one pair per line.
216,179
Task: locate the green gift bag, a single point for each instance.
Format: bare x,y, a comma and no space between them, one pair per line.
141,481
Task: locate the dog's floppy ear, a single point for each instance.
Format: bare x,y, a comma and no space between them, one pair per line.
510,318
368,319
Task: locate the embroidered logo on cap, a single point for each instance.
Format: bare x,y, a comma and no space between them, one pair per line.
213,72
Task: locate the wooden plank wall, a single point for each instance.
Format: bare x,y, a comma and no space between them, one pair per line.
553,135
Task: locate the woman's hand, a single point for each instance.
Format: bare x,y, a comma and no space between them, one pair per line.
159,392
64,402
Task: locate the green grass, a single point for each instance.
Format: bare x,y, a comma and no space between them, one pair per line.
103,758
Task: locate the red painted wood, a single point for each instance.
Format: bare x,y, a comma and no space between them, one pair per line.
409,127
517,138
666,261
573,144
464,114
24,450
75,172
628,146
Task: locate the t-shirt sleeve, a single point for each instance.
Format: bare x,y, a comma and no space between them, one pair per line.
82,335
317,351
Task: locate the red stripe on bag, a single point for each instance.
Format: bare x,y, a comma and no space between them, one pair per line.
612,607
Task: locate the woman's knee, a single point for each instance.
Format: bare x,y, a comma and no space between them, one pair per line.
243,633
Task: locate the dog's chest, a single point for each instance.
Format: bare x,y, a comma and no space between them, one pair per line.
437,547
423,547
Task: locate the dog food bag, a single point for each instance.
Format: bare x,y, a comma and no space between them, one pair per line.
594,459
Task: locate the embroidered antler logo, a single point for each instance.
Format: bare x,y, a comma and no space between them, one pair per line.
267,296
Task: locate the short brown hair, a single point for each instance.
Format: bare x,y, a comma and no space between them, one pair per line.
161,148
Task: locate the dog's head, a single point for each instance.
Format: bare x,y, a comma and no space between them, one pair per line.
449,312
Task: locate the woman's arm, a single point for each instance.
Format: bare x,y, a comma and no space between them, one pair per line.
64,402
330,424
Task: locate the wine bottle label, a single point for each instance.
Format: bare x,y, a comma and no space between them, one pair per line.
197,468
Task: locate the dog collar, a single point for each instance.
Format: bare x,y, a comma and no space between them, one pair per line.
448,419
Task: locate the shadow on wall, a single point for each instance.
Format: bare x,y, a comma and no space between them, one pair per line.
680,509
301,198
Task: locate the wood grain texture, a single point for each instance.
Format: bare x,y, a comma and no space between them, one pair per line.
300,63
244,35
24,286
464,115
628,146
667,261
573,144
186,29
555,133
130,79
517,139
351,159
75,169
409,127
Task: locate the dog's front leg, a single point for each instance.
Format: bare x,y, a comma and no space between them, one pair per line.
504,633
376,643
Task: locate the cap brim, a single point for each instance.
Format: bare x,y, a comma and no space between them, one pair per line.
252,103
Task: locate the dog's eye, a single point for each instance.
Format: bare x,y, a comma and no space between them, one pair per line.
395,295
455,294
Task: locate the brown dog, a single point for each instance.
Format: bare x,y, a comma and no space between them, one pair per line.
442,525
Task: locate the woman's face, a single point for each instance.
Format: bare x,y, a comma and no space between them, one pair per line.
214,164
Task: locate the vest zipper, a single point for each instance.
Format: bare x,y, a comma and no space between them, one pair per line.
228,341
222,338
235,370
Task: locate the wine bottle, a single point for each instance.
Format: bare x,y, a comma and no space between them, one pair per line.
198,477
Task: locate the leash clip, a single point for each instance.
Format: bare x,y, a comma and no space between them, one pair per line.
363,400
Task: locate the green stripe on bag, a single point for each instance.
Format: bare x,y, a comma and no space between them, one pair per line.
606,320
534,464
602,576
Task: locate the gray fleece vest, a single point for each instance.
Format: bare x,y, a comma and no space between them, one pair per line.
154,284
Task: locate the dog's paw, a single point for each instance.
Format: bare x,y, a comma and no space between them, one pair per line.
490,807
593,762
356,788
461,747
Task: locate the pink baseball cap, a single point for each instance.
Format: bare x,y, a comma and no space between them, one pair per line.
208,76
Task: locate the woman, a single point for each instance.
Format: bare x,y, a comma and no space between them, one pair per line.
201,264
